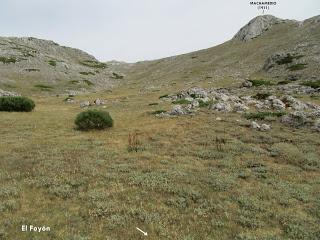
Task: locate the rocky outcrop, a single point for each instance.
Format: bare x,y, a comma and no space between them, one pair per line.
256,27
8,94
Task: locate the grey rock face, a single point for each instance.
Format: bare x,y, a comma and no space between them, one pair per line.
277,104
256,27
239,107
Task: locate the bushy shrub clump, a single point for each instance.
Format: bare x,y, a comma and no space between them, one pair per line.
16,104
93,119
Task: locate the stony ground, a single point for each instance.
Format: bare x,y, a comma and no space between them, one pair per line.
207,175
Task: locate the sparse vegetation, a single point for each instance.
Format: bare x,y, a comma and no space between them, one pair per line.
158,112
16,104
257,83
313,84
164,96
117,76
93,119
288,59
297,67
263,115
89,83
52,63
93,64
32,70
87,73
261,96
181,101
44,87
6,60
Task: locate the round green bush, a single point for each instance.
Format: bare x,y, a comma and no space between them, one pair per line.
93,119
16,104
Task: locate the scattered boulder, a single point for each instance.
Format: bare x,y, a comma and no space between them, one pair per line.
263,127
98,102
8,94
84,104
178,110
247,84
295,119
239,107
222,107
278,105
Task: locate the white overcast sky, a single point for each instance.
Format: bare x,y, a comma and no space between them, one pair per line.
134,30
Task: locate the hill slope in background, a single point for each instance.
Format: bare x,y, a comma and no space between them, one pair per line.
267,47
33,65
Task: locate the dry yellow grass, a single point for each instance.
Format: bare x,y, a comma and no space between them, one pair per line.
179,185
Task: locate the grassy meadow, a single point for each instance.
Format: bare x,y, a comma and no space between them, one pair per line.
189,177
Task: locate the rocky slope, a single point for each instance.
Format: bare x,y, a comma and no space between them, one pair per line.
35,65
266,48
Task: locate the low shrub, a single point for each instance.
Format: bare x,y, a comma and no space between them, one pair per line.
158,112
313,84
296,67
181,101
93,119
16,104
261,96
257,83
263,115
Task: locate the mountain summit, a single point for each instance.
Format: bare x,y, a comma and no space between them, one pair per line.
256,27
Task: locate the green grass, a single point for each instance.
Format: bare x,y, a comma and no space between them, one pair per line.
263,115
164,96
257,83
313,84
203,104
297,67
32,70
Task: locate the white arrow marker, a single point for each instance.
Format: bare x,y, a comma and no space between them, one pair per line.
144,233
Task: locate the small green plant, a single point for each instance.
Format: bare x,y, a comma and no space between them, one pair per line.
8,60
313,84
134,144
74,81
89,83
203,104
257,83
181,101
288,59
93,119
164,96
16,104
261,96
87,73
263,115
117,76
284,82
297,67
52,63
93,64
44,87
153,104
32,70
158,112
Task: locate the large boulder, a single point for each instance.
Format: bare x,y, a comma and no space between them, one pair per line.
222,107
295,119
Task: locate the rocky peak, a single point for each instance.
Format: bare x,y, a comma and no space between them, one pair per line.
256,27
